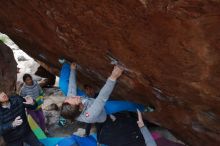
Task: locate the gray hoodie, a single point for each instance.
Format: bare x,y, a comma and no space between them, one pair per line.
93,111
34,90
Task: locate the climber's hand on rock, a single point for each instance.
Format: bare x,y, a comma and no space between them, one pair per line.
73,65
116,73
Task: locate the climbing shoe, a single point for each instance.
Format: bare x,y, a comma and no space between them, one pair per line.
62,61
149,108
62,122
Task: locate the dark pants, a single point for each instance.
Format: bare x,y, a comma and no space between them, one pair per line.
28,138
88,128
124,131
98,127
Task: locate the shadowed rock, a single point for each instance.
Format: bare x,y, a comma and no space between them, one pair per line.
8,70
8,73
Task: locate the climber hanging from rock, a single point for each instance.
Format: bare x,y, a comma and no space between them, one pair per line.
90,110
85,109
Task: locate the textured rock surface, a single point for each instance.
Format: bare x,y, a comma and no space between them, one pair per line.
8,73
171,49
50,78
8,69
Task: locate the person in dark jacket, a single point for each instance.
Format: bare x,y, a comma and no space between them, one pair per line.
14,126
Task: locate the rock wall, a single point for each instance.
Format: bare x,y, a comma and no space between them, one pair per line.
8,70
170,48
50,78
8,73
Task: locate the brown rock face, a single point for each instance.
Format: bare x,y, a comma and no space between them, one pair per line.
171,49
8,69
50,78
8,73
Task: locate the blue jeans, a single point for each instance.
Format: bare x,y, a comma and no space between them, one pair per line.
64,80
115,106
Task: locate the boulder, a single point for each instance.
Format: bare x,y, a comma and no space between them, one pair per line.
8,70
169,48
